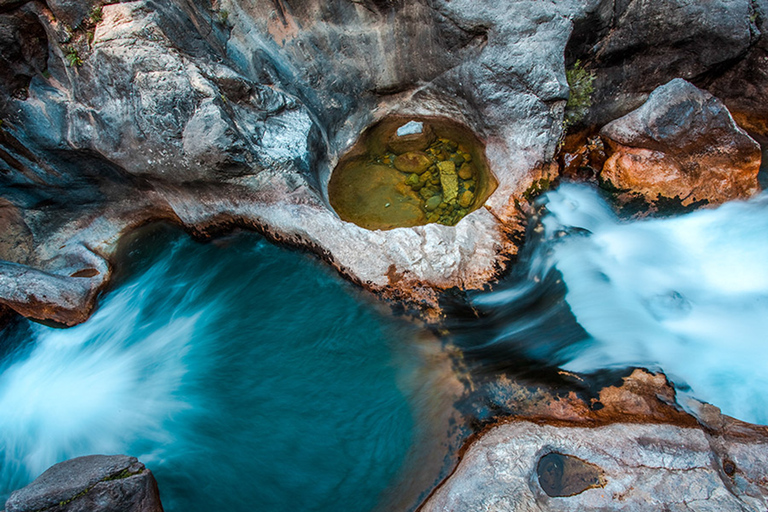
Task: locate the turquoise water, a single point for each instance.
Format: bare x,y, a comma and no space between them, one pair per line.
252,377
246,376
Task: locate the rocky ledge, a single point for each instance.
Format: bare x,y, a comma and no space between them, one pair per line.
631,448
224,113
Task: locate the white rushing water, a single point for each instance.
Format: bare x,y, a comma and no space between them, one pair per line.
687,295
96,388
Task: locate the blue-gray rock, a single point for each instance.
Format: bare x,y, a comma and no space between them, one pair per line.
95,483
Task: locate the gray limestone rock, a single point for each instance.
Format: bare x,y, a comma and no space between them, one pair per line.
642,467
167,112
636,46
237,114
95,483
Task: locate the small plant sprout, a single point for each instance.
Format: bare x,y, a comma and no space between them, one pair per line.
73,57
96,15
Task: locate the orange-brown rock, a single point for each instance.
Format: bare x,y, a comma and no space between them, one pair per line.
413,162
681,143
581,156
629,443
413,140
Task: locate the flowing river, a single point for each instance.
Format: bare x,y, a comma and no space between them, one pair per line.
248,376
244,375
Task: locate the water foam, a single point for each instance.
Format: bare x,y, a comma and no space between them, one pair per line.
688,295
95,388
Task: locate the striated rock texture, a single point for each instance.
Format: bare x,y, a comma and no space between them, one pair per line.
234,113
95,483
681,143
630,448
219,113
643,467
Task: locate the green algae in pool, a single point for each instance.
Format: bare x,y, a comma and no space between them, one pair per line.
246,377
406,172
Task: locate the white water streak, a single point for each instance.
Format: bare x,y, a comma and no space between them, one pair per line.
687,294
94,388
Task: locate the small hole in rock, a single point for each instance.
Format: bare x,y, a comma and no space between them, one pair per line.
729,467
86,272
563,475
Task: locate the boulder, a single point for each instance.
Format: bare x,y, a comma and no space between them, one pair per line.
623,466
412,136
682,143
628,447
636,46
95,483
415,162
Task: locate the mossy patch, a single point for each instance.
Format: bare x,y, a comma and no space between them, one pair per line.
580,83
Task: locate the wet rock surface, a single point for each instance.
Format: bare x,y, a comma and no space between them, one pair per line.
630,447
95,483
644,467
563,475
214,115
682,143
235,116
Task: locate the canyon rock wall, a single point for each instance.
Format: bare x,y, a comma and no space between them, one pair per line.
215,114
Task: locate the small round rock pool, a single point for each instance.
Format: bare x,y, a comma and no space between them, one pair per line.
406,172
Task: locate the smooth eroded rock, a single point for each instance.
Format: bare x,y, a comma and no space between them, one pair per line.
681,143
413,162
641,467
411,139
95,483
563,475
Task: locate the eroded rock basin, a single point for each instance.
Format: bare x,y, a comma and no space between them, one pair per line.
406,172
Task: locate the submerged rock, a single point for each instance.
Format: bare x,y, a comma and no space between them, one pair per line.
466,171
433,202
466,199
681,143
95,483
413,162
448,180
413,136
